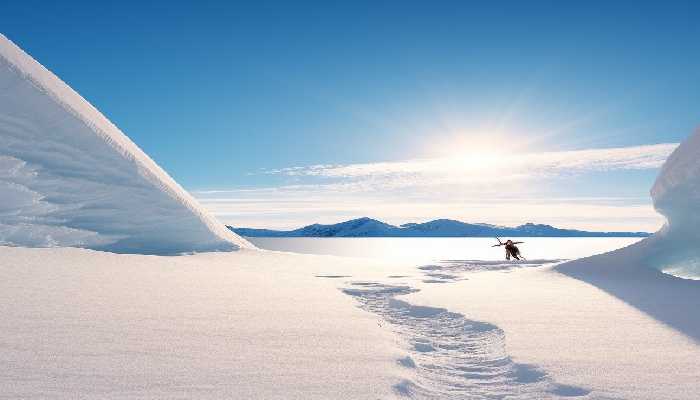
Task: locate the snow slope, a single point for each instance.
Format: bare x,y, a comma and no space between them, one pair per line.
69,177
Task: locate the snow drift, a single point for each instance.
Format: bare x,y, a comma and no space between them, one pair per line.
69,177
676,195
650,274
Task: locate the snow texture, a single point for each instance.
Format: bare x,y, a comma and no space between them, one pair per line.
83,324
69,177
454,357
577,336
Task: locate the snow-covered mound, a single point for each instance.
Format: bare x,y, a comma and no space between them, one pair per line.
69,177
673,249
647,274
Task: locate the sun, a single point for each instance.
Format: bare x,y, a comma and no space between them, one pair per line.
477,148
475,161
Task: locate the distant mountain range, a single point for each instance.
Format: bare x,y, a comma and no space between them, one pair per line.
368,227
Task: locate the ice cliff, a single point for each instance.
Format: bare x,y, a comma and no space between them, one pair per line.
69,177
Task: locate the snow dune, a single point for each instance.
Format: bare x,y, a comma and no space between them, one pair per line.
69,177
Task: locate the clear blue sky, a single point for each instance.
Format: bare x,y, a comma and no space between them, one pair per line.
222,94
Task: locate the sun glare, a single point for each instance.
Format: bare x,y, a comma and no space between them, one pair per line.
474,161
476,148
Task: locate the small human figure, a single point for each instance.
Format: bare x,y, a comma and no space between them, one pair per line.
511,249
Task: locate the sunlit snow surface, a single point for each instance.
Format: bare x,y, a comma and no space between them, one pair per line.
83,324
518,330
455,357
69,177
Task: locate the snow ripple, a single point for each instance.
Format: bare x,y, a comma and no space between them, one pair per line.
454,357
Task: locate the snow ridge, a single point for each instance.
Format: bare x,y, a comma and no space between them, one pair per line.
56,143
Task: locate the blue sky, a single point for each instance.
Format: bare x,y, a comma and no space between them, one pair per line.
227,97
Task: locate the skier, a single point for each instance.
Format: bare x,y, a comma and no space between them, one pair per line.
511,249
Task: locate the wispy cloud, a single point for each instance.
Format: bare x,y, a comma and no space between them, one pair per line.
470,188
478,167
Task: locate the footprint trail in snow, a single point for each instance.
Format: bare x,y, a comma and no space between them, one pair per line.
454,357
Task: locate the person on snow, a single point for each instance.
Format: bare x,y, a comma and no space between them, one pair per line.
512,250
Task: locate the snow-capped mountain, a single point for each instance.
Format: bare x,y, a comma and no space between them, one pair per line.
368,227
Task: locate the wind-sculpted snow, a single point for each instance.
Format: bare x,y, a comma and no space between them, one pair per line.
69,177
676,191
673,249
454,357
676,195
648,273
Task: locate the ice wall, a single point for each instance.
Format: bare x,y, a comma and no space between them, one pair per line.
676,192
674,248
69,177
676,195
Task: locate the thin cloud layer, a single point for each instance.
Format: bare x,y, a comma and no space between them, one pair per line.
472,167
